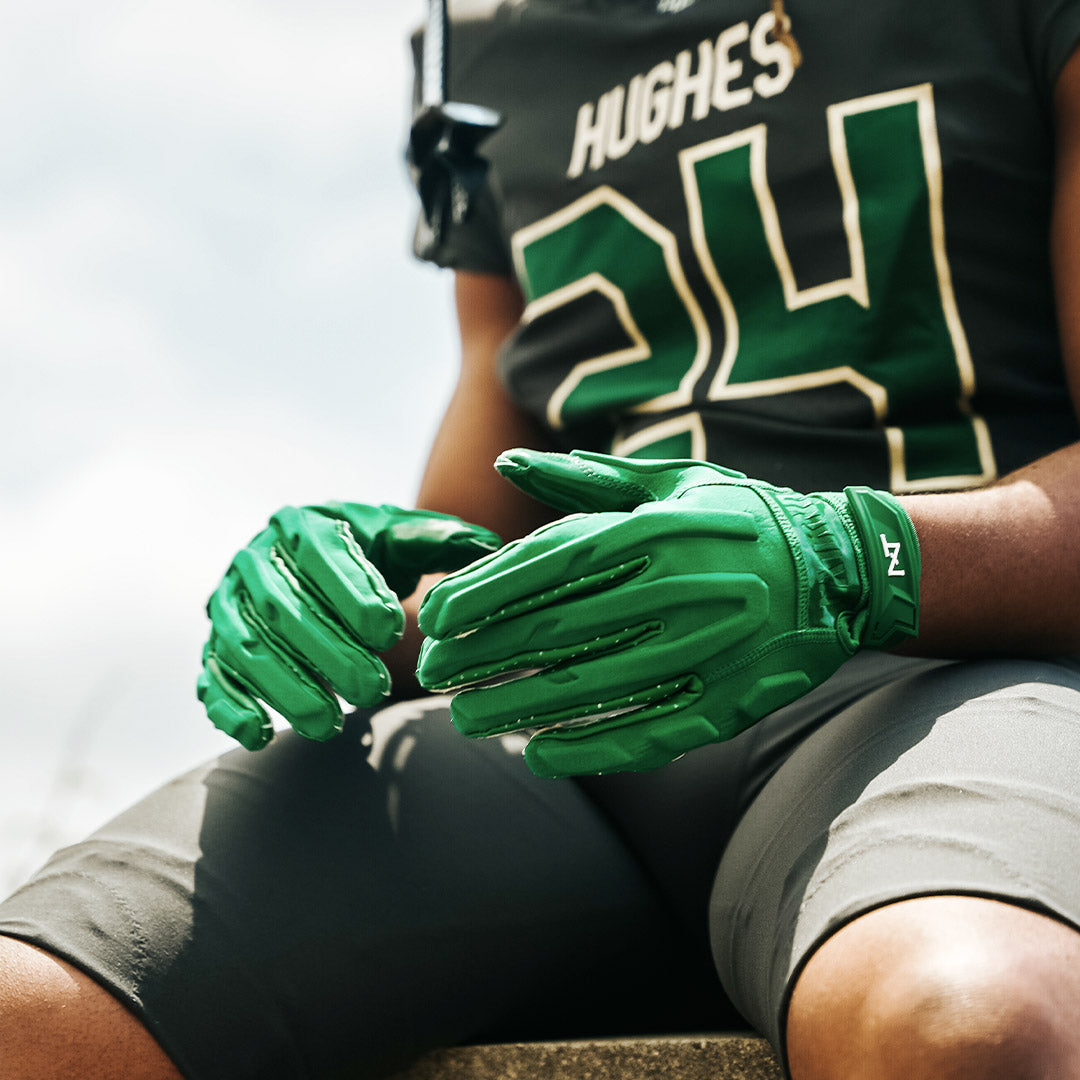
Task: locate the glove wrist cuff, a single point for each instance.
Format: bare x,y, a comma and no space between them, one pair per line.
893,566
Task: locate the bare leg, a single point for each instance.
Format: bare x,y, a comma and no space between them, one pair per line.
942,987
57,1023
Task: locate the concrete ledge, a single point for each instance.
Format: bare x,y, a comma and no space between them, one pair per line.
695,1057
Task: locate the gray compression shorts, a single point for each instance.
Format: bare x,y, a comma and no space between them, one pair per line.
322,910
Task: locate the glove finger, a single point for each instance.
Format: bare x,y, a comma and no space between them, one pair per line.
722,703
573,482
442,667
586,481
590,553
230,707
638,742
267,667
326,556
418,542
577,693
699,625
300,625
728,607
584,618
553,563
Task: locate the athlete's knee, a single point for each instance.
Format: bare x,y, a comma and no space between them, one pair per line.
56,1022
940,987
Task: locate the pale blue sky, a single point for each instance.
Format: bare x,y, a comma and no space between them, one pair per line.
208,308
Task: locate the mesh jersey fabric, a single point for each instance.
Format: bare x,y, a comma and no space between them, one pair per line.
822,275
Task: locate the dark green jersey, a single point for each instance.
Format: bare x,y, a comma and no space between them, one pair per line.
821,274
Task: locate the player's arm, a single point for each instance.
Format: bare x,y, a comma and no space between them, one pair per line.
1001,566
479,423
480,420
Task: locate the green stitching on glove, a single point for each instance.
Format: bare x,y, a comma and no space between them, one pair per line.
685,603
305,608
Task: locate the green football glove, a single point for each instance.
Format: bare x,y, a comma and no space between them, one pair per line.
686,603
306,607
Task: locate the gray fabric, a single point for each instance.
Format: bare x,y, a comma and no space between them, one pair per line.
317,910
322,910
956,778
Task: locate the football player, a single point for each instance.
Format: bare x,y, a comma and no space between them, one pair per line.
761,640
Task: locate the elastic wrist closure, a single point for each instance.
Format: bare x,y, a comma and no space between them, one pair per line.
893,565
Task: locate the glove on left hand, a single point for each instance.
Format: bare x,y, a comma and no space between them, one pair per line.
687,603
304,610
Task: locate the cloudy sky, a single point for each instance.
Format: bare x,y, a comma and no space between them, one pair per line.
207,309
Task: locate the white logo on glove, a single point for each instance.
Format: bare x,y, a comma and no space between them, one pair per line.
892,553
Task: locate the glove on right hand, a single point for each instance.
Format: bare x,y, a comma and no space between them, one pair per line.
305,608
679,604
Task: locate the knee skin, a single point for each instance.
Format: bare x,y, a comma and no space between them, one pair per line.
57,1023
940,987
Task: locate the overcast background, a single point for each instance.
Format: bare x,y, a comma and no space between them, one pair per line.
208,308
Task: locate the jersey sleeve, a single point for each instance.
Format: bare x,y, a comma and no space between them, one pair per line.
1055,34
476,244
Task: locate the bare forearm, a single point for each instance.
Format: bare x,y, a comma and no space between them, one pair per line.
479,423
1001,566
401,659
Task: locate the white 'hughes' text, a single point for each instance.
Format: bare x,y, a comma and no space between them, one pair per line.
639,113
